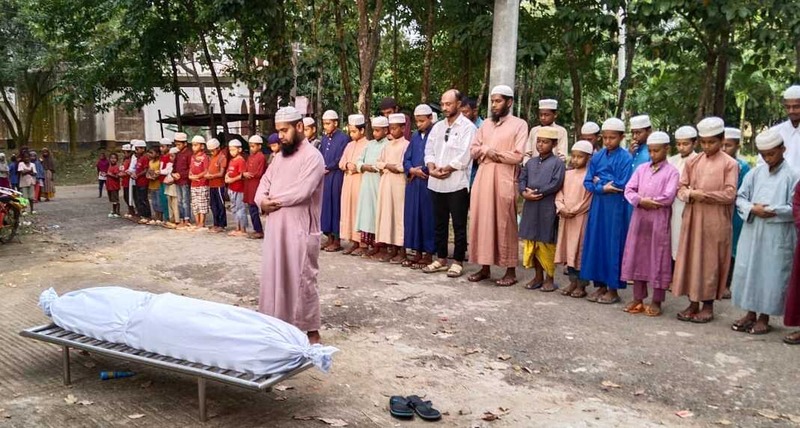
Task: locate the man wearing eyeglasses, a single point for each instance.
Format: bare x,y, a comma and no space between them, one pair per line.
449,164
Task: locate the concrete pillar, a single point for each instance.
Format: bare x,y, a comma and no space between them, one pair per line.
504,43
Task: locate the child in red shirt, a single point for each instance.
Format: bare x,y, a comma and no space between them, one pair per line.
197,174
233,178
125,179
113,185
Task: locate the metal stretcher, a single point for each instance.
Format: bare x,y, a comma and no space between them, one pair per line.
66,339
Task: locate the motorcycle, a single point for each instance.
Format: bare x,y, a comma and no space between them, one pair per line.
12,204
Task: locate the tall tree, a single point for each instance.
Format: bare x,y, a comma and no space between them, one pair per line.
369,38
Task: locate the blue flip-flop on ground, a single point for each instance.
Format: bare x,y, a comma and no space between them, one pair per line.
399,407
424,409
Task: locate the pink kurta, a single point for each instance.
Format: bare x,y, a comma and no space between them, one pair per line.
391,194
493,199
573,198
350,190
290,255
704,253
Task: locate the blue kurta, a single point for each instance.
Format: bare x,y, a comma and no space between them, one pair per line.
640,156
744,168
609,215
332,148
418,210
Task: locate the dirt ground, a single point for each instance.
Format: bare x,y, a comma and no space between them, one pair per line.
530,358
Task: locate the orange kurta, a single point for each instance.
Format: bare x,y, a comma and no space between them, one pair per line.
351,186
391,194
493,199
573,198
704,252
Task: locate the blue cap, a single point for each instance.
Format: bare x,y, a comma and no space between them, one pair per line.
273,139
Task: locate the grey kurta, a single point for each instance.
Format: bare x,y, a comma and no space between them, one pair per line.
370,181
539,220
766,245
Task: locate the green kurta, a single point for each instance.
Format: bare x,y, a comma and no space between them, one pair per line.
368,196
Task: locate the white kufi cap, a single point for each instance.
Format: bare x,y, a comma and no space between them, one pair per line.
380,122
423,110
198,139
126,147
309,121
212,144
235,143
768,139
685,133
138,143
641,122
287,115
503,90
613,124
173,150
181,136
165,142
657,138
733,134
583,146
397,118
792,93
356,120
548,132
590,128
711,127
548,104
255,139
330,115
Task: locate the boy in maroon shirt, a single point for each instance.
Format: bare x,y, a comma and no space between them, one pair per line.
256,165
180,172
141,181
112,184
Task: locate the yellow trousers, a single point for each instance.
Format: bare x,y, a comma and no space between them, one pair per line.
542,252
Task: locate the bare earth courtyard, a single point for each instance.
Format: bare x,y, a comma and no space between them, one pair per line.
478,352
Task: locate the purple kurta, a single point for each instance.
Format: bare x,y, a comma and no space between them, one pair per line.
290,256
648,250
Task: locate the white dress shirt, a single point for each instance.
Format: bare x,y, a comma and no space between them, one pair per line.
454,153
791,140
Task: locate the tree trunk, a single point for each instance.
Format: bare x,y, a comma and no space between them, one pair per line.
705,92
320,70
485,82
532,85
369,38
346,84
220,96
395,62
722,72
176,89
72,130
430,32
10,118
251,111
196,76
630,51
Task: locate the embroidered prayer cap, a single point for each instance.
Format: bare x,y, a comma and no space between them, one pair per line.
548,104
181,136
126,147
380,122
212,144
173,150
255,139
288,115
423,110
641,122
139,143
792,93
397,118
503,90
309,121
198,139
355,120
590,128
235,143
548,132
768,139
657,138
165,142
613,124
711,127
273,139
733,134
686,132
583,146
330,115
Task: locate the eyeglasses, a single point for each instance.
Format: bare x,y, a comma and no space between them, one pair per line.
447,135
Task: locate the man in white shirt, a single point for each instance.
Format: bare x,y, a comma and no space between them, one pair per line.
790,129
449,164
548,113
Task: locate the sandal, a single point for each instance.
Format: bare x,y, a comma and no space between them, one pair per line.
792,338
534,285
418,266
358,252
594,296
349,250
396,260
505,282
455,270
579,293
652,311
568,291
743,327
705,320
603,301
686,316
553,287
434,267
333,249
423,408
478,276
399,408
752,330
407,263
635,308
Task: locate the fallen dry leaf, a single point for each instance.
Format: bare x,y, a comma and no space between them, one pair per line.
472,351
70,399
684,414
136,416
504,409
333,422
303,418
342,287
85,402
283,387
769,414
724,422
402,376
504,357
489,416
609,384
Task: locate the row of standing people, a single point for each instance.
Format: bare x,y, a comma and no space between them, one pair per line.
30,174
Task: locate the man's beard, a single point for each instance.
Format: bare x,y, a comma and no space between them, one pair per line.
503,113
290,149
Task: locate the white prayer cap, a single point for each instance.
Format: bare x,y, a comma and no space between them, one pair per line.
355,120
212,144
330,115
423,110
657,138
397,118
235,143
139,143
583,146
198,139
685,133
287,115
173,150
711,127
548,132
548,104
309,121
733,134
126,147
768,139
181,136
503,90
255,139
165,142
613,124
792,93
641,122
380,122
590,128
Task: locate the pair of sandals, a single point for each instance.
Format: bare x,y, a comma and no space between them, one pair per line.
595,298
455,270
641,308
406,407
574,292
692,317
502,282
749,327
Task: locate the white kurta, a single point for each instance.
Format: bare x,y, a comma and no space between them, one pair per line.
766,245
679,163
791,139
